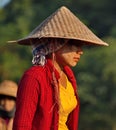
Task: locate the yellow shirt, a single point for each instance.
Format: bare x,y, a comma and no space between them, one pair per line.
68,103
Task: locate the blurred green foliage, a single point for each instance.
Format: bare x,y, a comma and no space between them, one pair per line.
96,71
96,77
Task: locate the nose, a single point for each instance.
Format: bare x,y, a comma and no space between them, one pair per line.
80,51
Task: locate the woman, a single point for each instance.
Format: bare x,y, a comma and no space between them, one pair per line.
8,90
47,97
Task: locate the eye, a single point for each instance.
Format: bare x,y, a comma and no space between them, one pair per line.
75,43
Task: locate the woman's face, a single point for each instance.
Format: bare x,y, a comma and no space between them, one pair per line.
7,103
69,54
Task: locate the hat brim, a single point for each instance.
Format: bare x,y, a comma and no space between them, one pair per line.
7,94
31,41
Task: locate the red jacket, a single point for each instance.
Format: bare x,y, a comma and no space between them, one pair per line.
35,99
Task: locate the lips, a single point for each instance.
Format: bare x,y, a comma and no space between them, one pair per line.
76,58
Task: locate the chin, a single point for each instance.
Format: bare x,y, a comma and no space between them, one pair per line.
73,64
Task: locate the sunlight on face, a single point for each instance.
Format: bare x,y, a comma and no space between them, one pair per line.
69,55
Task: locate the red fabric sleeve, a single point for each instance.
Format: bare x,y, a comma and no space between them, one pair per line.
26,104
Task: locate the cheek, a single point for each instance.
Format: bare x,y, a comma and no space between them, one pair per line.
9,105
67,59
65,56
2,102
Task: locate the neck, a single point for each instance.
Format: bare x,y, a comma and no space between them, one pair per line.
58,67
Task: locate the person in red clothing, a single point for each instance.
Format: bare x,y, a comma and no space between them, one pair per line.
47,96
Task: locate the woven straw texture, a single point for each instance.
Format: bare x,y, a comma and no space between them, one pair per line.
63,24
8,88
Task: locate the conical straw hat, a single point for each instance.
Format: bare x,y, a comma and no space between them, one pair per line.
62,24
8,88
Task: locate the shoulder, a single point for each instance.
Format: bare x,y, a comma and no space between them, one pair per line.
31,78
35,71
38,73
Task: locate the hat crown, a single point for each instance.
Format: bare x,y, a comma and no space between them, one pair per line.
62,23
53,23
8,88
